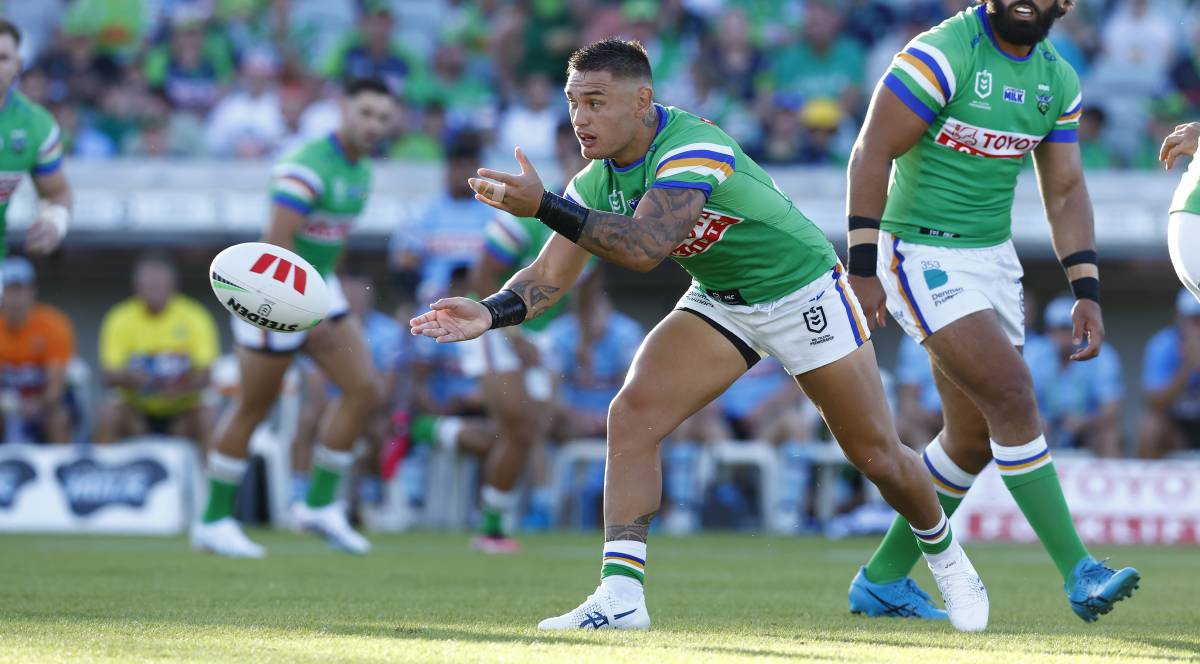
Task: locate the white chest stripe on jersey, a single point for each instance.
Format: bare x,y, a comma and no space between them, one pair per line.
983,142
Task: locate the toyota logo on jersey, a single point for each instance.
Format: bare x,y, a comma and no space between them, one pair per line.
709,230
983,142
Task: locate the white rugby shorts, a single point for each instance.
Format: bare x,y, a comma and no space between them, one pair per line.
1183,243
930,287
254,337
814,326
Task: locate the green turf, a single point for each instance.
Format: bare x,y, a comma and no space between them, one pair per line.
426,598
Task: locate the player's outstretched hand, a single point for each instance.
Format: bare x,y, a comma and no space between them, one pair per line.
1183,141
452,319
869,291
519,194
1088,325
41,238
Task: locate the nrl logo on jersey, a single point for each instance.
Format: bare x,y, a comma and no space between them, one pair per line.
983,84
709,230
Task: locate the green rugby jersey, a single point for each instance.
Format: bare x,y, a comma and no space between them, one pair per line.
319,181
1187,194
30,142
750,238
986,110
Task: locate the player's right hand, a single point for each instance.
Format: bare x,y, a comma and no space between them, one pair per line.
1183,141
452,319
869,291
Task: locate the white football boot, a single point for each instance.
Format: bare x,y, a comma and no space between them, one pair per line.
602,610
962,590
224,537
330,522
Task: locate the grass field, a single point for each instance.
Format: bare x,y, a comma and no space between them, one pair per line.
426,598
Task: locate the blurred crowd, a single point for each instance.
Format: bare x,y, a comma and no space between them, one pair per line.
789,79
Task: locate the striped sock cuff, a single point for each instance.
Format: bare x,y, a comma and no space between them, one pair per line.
948,478
224,468
1022,459
935,535
495,499
336,461
626,558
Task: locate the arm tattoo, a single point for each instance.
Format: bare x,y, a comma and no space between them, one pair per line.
635,531
663,220
538,297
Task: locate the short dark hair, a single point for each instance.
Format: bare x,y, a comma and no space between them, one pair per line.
354,86
465,144
9,28
159,257
620,57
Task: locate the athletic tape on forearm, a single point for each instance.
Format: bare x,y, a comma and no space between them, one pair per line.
57,216
562,216
863,246
507,308
1083,271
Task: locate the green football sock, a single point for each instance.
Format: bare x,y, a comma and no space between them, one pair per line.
329,466
899,551
221,496
422,429
1029,474
496,504
936,539
493,523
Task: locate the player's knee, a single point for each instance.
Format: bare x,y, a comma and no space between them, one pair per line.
632,416
1010,395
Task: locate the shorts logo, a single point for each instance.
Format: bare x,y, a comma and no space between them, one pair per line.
983,84
935,278
709,230
814,319
1014,95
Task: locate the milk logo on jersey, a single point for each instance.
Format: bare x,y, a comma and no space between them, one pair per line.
983,84
709,229
14,474
90,486
983,142
284,267
1014,95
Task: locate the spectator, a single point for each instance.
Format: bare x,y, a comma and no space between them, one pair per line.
249,123
445,232
75,71
469,99
919,407
821,144
372,52
824,63
1080,402
740,64
194,66
1171,383
418,143
36,344
156,349
1096,154
117,25
530,123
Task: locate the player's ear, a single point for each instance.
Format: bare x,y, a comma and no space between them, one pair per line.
645,98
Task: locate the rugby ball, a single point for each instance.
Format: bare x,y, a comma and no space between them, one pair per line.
269,286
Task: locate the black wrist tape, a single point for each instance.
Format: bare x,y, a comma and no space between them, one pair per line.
861,257
507,308
562,216
1084,287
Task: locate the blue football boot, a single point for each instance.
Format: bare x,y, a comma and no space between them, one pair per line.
1095,587
898,599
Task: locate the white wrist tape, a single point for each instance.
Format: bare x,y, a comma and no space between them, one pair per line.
56,215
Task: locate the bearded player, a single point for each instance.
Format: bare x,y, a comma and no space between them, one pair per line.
317,192
30,142
1183,229
665,183
957,112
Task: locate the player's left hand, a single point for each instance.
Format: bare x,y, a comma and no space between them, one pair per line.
519,194
1183,141
42,238
1087,325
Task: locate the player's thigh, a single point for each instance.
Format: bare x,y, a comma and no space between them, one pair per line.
261,376
863,424
976,354
682,365
339,348
1183,243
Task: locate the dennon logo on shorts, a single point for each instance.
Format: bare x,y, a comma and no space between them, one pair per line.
709,230
983,142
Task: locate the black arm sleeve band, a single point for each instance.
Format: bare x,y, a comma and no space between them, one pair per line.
507,308
562,216
1084,288
861,258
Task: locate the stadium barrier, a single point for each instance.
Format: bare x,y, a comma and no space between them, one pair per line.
142,487
1113,501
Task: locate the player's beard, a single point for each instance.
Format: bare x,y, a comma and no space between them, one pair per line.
1022,33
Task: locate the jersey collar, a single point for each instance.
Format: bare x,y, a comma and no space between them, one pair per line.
662,122
339,148
981,12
